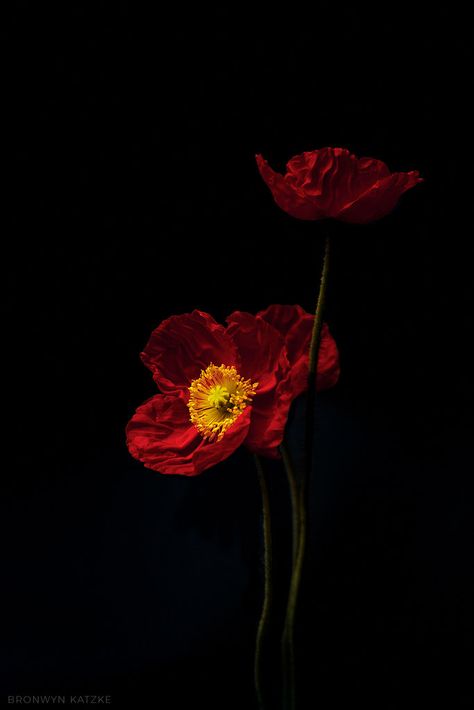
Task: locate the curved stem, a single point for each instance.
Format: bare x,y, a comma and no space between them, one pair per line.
289,631
287,651
293,486
267,597
295,584
318,316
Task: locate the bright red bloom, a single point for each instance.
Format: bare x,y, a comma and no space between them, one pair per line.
332,182
224,386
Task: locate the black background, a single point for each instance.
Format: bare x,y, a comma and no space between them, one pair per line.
131,193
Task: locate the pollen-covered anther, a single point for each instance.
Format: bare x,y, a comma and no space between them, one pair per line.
217,398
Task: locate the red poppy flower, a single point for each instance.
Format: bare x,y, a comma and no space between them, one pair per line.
332,182
224,386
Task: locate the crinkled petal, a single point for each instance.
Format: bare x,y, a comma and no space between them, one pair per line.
380,199
298,341
283,317
334,183
300,167
269,417
313,172
209,454
270,410
287,195
161,436
261,349
184,345
295,325
350,178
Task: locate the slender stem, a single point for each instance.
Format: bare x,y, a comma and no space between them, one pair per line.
289,631
318,316
267,597
287,652
293,486
295,584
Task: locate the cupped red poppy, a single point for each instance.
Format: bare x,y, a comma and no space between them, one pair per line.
224,386
334,183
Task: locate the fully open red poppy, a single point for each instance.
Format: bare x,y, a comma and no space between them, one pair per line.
224,386
332,182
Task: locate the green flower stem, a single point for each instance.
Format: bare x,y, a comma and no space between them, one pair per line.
268,594
288,640
293,486
287,650
289,631
318,317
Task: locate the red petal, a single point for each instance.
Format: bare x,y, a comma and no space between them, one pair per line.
328,361
304,169
263,353
161,435
208,454
380,199
283,318
269,417
313,172
288,196
332,182
261,349
270,411
184,345
352,177
298,342
295,324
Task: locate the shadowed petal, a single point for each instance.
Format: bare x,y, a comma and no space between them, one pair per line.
380,199
184,345
269,417
282,317
295,324
328,369
261,349
161,436
334,183
288,197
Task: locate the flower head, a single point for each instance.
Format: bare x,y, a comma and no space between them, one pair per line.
224,386
332,182
217,397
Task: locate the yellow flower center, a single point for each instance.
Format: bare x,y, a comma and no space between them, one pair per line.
217,398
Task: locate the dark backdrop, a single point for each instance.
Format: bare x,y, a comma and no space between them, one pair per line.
131,194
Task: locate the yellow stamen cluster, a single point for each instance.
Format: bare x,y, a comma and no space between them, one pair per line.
217,398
